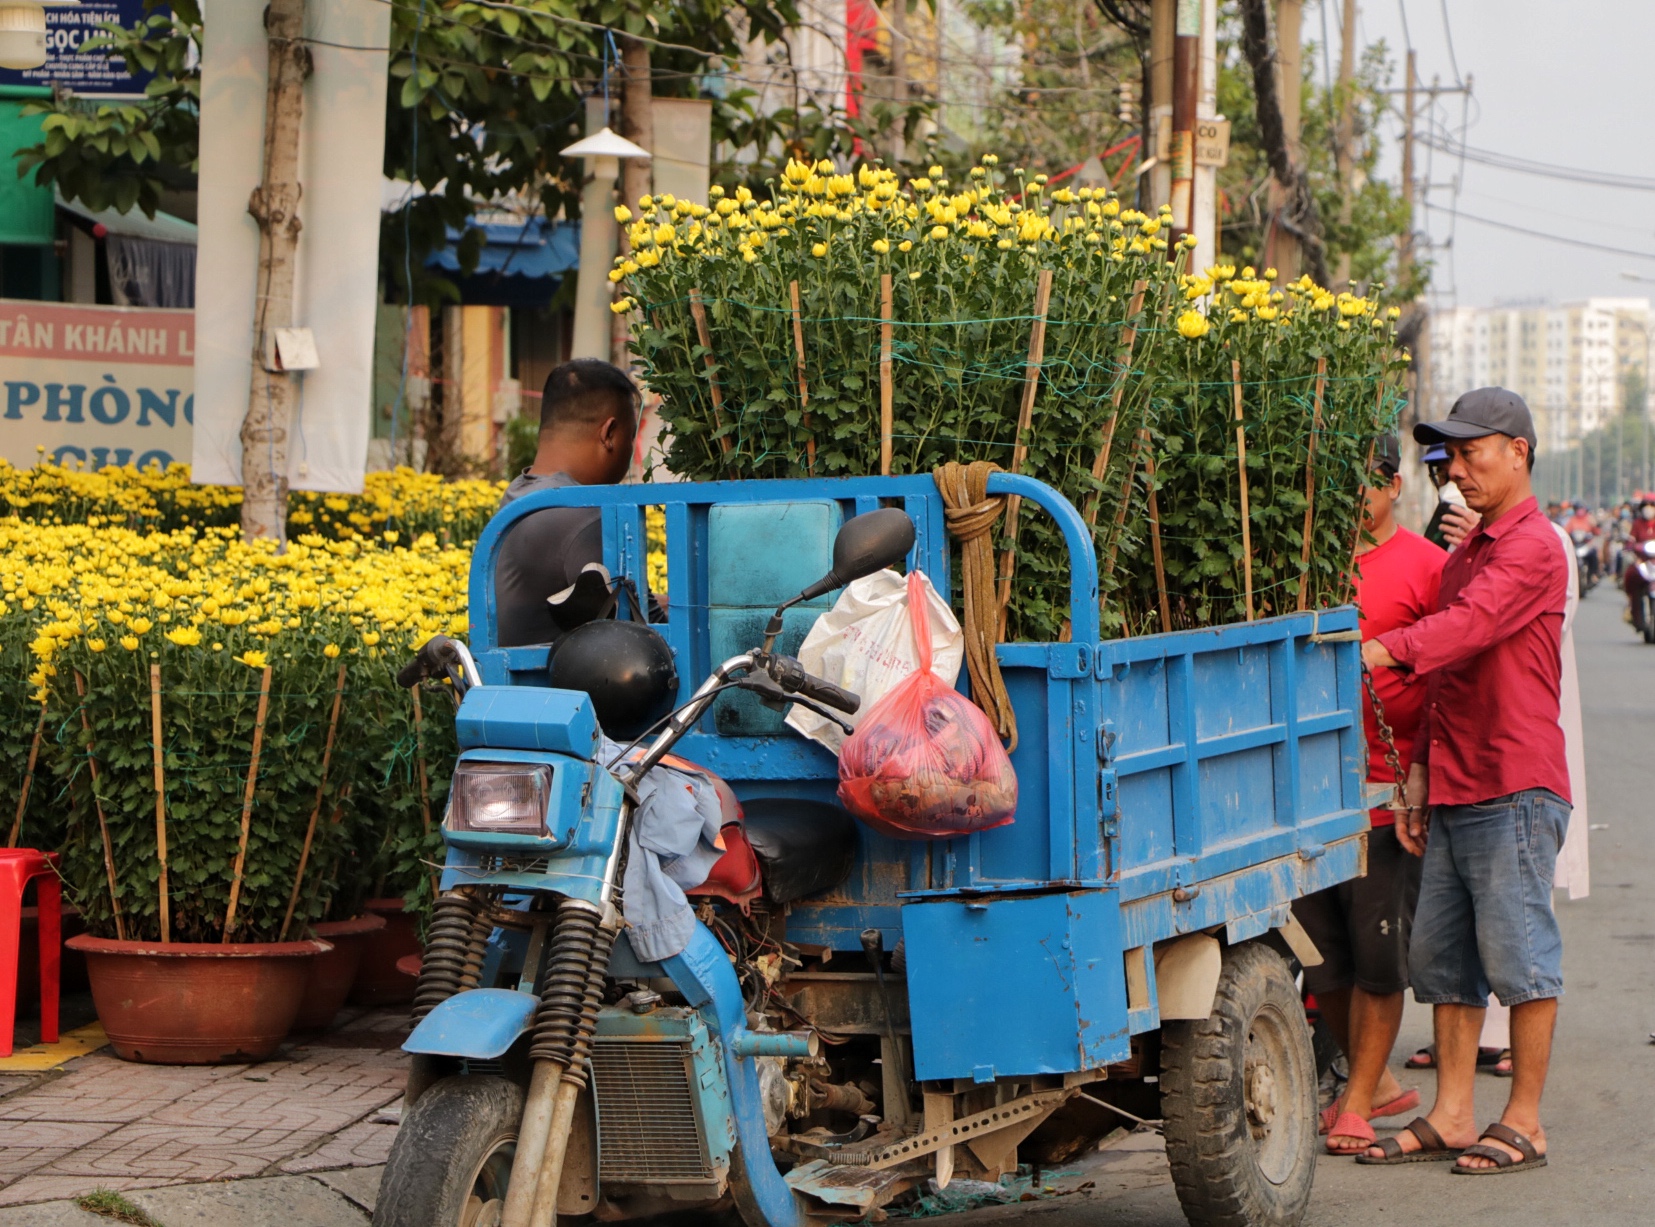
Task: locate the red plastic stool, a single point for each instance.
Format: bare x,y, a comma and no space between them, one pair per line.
17,867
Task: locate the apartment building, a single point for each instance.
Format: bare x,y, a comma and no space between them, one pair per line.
1569,362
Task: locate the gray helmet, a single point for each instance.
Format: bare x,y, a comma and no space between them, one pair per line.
626,668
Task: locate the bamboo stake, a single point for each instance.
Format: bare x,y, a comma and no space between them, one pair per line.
1155,534
1020,448
1365,475
804,387
160,799
1310,484
247,802
1120,510
1241,468
886,392
28,779
424,780
97,805
699,314
1128,338
316,809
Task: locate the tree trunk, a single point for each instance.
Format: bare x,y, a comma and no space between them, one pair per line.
1300,214
275,206
638,126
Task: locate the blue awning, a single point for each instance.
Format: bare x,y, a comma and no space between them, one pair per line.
522,263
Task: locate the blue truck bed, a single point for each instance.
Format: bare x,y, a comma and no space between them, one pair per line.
1169,784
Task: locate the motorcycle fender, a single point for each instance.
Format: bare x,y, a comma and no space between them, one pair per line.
480,1024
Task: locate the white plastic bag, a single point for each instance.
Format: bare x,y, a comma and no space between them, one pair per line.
865,644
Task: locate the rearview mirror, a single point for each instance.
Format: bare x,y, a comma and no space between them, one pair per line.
871,542
866,543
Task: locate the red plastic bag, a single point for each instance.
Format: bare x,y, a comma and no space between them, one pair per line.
924,763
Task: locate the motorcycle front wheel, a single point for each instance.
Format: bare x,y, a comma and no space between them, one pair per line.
452,1156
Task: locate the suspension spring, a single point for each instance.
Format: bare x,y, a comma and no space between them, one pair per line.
455,944
565,984
574,1072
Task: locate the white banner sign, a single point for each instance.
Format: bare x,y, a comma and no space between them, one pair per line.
95,385
341,157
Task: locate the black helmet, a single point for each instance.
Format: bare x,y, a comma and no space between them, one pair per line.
627,669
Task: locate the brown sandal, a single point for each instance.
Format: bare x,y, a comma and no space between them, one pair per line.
1503,1162
1432,1149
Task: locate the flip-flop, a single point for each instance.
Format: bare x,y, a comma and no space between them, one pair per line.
1405,1102
1426,1058
1503,1163
1350,1125
1502,1067
1432,1149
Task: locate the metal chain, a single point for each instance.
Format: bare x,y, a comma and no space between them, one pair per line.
1399,795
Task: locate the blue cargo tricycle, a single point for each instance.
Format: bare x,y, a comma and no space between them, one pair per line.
883,1014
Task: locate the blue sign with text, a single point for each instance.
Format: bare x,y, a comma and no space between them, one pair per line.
94,74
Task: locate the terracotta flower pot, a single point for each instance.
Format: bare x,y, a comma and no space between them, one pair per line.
378,982
333,973
196,1003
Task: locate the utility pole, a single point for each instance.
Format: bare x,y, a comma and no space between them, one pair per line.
899,77
1281,250
1186,101
1346,135
275,206
637,176
1158,104
1405,242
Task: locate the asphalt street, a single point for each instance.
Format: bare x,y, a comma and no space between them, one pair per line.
1602,1168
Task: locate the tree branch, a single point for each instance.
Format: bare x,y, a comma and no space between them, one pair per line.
1300,214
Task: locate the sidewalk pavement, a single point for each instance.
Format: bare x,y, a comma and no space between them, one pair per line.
298,1139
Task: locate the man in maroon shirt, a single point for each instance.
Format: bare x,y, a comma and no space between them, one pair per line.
1361,927
1488,791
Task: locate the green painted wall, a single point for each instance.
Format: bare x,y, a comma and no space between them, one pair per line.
26,210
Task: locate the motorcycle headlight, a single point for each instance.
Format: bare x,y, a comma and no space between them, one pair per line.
508,798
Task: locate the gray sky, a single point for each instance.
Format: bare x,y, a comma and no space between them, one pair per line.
1566,83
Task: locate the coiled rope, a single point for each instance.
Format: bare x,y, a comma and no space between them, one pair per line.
971,515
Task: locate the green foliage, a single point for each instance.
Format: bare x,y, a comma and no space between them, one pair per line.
208,704
1379,213
122,155
1062,106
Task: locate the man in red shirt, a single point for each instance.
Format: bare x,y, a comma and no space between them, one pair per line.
1361,927
1488,791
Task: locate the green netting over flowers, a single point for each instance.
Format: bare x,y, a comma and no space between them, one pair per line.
1135,384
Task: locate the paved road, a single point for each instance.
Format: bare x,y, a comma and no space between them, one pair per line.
1602,1081
1603,1075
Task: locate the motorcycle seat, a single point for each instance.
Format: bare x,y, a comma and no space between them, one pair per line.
803,847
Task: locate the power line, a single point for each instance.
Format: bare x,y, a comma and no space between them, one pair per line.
1526,166
1553,238
1448,34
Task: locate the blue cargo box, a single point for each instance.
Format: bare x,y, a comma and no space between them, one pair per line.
1173,784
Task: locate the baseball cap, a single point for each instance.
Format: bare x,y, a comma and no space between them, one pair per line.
1387,454
1482,411
1435,454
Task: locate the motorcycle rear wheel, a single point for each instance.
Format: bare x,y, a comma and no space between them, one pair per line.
452,1157
1649,618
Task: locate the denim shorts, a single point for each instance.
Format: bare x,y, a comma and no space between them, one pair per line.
1485,918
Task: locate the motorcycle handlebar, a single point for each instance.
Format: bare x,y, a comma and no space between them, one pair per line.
791,676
